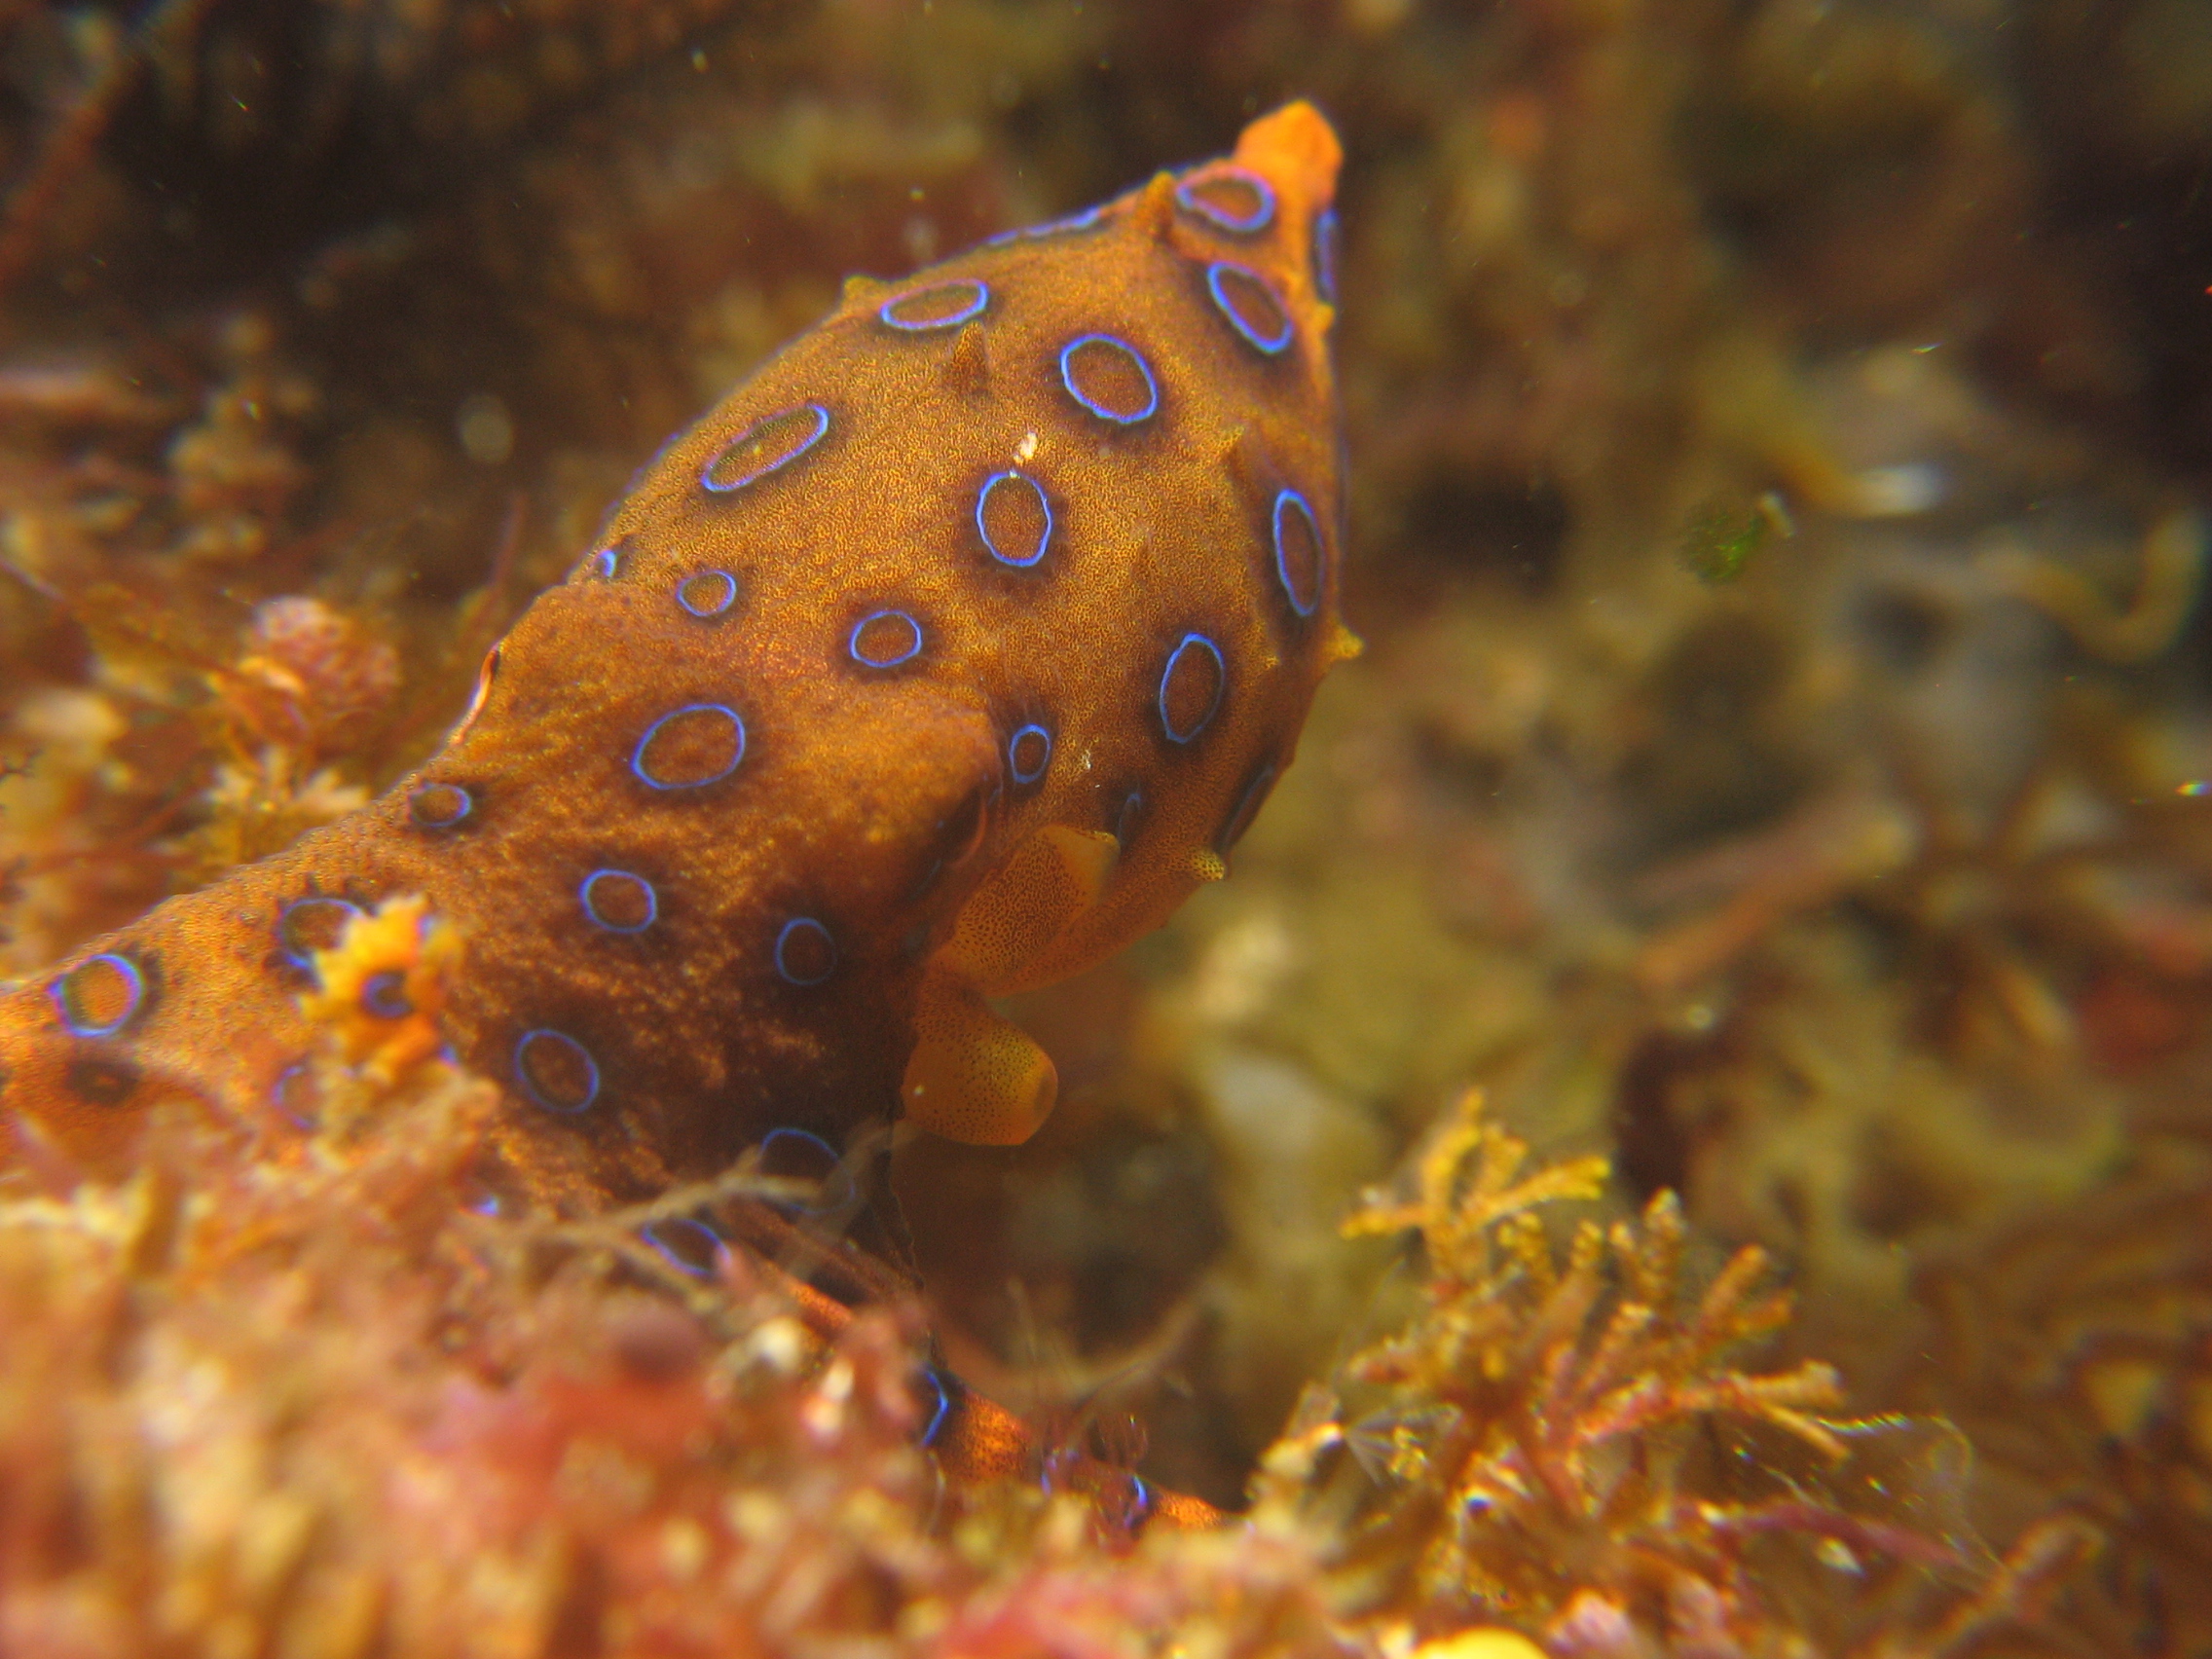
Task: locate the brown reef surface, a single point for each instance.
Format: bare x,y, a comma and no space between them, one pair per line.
1781,772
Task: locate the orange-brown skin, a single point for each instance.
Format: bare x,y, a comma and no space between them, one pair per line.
882,803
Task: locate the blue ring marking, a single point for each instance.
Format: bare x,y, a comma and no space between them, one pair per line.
1129,819
1082,221
384,995
706,610
1043,541
1291,501
981,297
912,650
419,809
135,980
297,955
1141,1499
604,565
559,1039
828,1198
821,427
1187,198
737,753
1325,255
1013,755
1152,385
591,907
806,926
1271,344
662,1236
1220,685
1246,809
939,1411
302,1114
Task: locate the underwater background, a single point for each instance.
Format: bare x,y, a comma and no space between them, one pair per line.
1766,843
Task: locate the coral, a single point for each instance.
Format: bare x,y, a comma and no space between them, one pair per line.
334,1403
1569,1437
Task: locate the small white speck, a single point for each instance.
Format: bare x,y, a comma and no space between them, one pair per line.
1087,759
487,432
1027,449
1899,492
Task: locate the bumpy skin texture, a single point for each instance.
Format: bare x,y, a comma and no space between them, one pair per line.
832,901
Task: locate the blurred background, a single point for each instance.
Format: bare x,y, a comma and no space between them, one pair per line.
1779,436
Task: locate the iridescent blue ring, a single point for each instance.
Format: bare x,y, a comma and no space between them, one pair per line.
1187,198
1271,344
422,808
591,906
134,980
1152,385
562,1040
1290,501
914,648
834,1189
1128,817
662,1234
604,565
706,610
1141,1502
973,308
1046,506
384,995
1014,751
940,1406
1325,255
1082,221
301,1114
737,754
1247,807
726,487
1220,685
805,927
